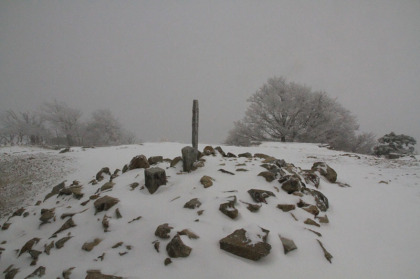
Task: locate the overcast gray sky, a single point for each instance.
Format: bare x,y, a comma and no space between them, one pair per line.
148,60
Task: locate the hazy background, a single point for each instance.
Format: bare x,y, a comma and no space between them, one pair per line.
148,60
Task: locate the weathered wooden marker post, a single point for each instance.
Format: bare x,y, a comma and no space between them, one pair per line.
190,154
195,124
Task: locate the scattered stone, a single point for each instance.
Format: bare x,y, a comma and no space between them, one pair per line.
220,150
176,248
252,207
239,244
134,185
192,204
65,215
245,155
294,217
88,246
66,273
105,223
288,244
225,171
241,170
10,272
39,272
125,168
118,213
231,155
167,261
297,194
229,210
99,175
320,200
189,157
198,164
188,233
311,177
315,232
312,209
326,171
55,190
286,207
163,231
60,243
105,203
18,212
135,219
156,245
47,248
117,245
64,150
67,225
208,150
107,186
200,212
206,181
28,245
323,220
327,255
155,160
34,254
269,176
175,161
5,226
139,162
290,184
154,178
96,274
311,222
38,203
260,195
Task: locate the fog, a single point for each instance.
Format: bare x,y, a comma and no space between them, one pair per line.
148,60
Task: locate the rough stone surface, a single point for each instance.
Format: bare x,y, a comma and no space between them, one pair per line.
290,184
154,178
163,231
28,245
260,195
155,160
311,177
107,186
286,207
268,175
46,215
220,150
39,272
238,244
67,225
245,155
176,248
105,203
188,233
88,246
208,150
55,190
60,243
311,222
189,157
139,162
192,204
175,161
229,210
311,209
288,244
206,181
326,171
320,199
99,175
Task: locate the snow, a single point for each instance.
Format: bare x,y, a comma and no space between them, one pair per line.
373,230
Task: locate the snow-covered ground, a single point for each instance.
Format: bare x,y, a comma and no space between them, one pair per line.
373,229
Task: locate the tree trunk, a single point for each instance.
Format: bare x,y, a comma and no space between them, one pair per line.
283,139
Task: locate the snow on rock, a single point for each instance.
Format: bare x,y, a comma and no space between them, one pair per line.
121,242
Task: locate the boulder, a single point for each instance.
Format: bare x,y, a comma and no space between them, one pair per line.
192,204
176,248
290,184
286,207
163,231
288,244
189,157
260,195
269,176
155,159
320,199
311,177
325,170
206,181
154,178
105,203
138,162
208,150
249,246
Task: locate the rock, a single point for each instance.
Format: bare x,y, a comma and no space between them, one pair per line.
155,160
118,213
229,210
125,168
286,207
189,157
99,175
188,233
66,273
238,243
88,246
320,200
105,223
323,220
105,203
5,226
39,272
208,150
220,150
163,231
46,215
55,190
60,243
311,209
269,176
11,273
327,255
301,204
245,155
176,248
206,181
252,207
76,191
192,204
96,274
288,244
167,261
326,171
260,195
311,177
138,162
225,171
154,178
290,184
28,245
107,186
311,222
230,155
64,150
67,225
47,248
175,161
35,254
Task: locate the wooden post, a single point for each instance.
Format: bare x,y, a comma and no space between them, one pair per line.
195,125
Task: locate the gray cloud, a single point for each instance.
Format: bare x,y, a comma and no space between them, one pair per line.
147,60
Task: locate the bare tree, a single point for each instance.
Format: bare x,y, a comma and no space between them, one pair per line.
103,129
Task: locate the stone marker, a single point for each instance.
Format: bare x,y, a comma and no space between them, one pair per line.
189,157
154,178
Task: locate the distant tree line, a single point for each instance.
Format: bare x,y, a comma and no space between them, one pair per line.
55,123
290,112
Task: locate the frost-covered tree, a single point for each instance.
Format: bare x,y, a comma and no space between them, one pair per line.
103,129
64,120
291,112
393,144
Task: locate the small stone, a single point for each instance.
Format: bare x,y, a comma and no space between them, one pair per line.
176,248
10,273
46,215
288,244
220,150
138,162
167,261
156,245
60,243
118,213
192,204
188,233
327,255
39,272
163,231
105,203
175,161
48,247
286,207
107,186
311,222
323,220
28,245
260,195
88,246
227,172
290,184
208,150
312,209
117,245
206,181
66,273
155,160
269,176
67,225
245,155
5,226
154,178
96,274
229,210
325,170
